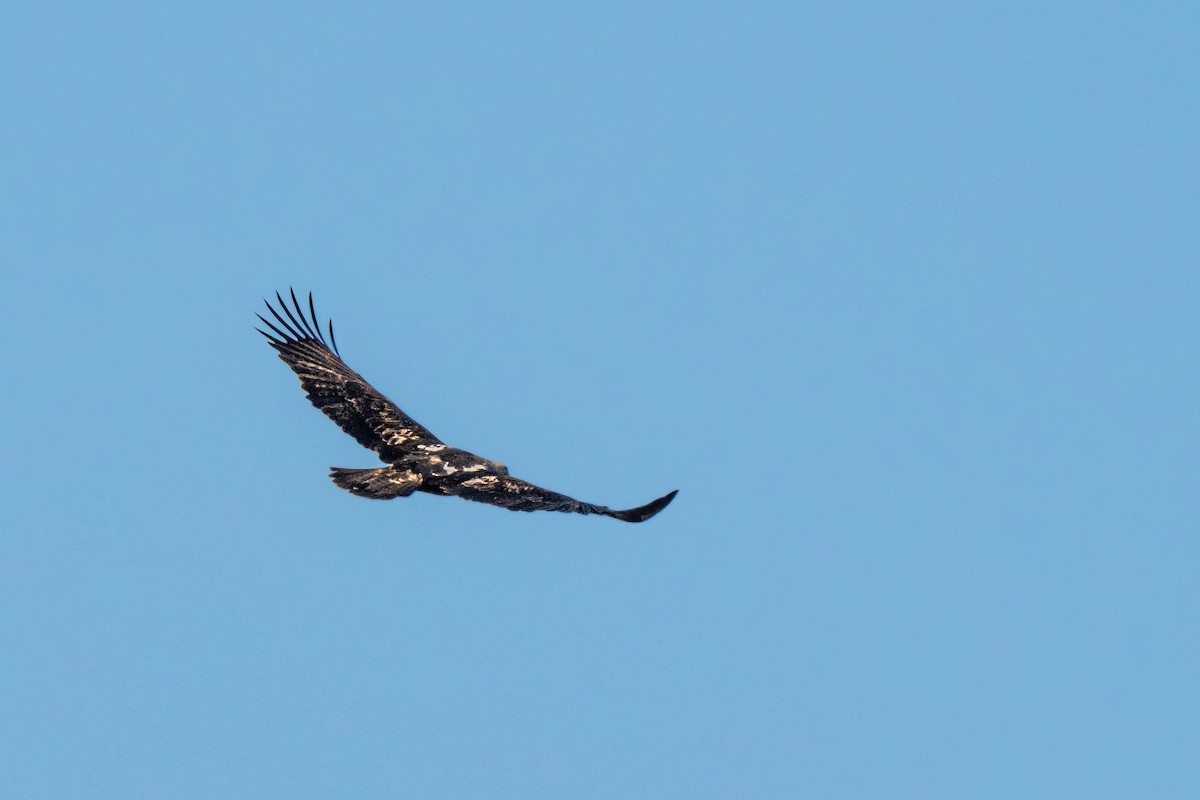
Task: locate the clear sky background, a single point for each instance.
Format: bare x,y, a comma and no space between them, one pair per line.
902,298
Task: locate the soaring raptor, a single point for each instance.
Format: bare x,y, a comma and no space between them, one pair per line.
417,460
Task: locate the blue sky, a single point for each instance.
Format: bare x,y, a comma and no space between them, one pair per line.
901,299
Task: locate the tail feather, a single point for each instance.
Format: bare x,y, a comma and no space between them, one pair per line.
383,483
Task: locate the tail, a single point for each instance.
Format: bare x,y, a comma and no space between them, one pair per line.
642,513
384,483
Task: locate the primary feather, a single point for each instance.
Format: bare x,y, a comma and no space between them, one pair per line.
418,460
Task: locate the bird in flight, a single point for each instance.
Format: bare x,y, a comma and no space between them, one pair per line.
416,459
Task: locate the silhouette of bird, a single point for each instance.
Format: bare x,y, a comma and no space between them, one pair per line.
417,461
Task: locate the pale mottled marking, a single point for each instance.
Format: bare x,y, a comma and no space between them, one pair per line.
482,482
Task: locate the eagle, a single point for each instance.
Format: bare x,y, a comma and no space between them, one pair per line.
417,461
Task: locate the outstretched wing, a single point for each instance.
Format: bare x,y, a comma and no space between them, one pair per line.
518,495
346,398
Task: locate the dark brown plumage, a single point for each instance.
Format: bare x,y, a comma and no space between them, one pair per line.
417,460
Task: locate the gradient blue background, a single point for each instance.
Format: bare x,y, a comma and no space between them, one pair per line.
903,300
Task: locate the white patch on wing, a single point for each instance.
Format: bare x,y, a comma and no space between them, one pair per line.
482,482
399,437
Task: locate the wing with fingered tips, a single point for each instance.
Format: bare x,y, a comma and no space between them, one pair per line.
341,393
518,495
